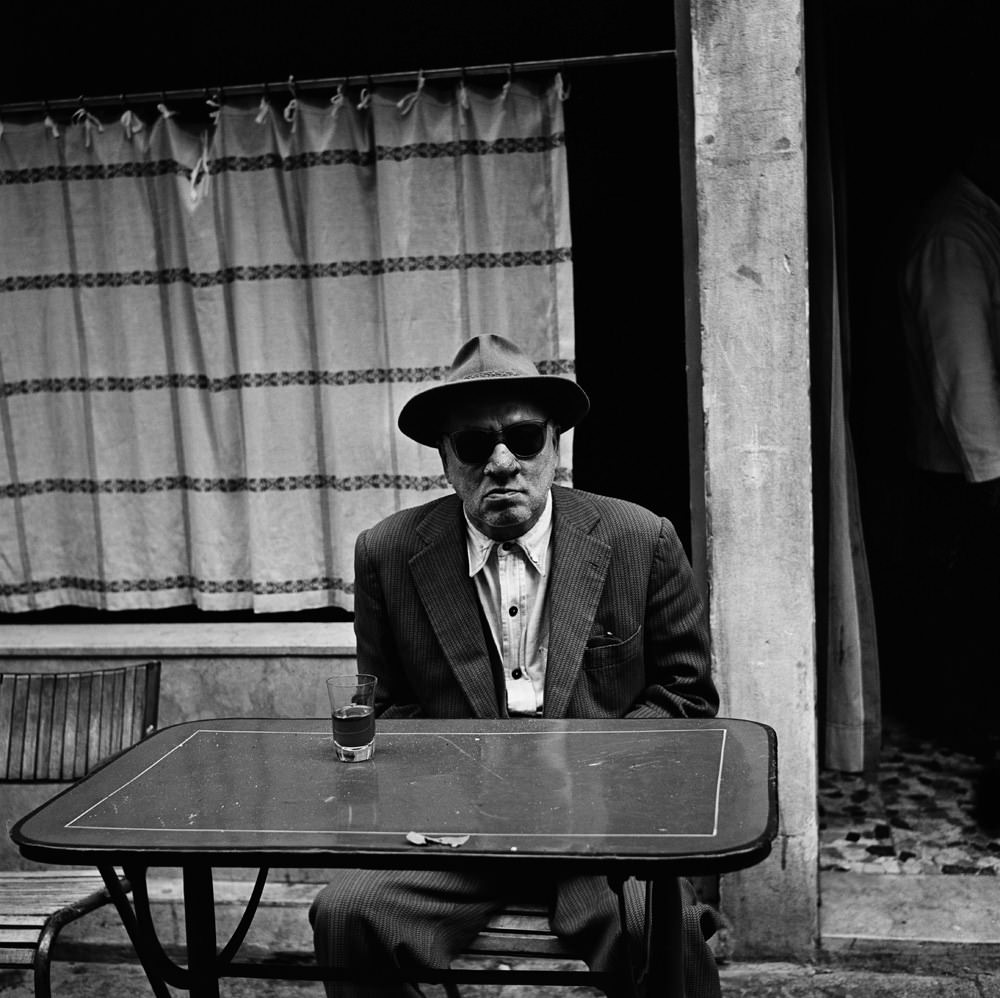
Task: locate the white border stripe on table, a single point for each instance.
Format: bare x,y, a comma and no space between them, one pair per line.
411,734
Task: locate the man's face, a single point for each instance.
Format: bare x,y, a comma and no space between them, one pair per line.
503,494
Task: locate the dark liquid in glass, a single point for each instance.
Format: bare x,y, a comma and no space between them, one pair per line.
353,725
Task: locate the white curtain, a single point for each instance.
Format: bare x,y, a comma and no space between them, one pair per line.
847,640
206,333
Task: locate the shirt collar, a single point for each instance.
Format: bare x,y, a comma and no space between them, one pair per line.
535,543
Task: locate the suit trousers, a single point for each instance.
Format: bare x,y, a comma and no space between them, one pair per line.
388,918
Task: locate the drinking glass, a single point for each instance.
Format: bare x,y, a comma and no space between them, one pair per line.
352,714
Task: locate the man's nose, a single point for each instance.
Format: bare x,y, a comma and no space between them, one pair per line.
501,461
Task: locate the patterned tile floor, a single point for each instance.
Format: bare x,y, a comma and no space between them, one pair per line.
915,817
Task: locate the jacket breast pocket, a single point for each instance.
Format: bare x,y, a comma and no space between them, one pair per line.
611,678
603,653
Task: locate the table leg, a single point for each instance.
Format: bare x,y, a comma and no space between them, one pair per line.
138,926
665,971
199,924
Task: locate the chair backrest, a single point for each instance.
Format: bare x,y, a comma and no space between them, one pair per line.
57,726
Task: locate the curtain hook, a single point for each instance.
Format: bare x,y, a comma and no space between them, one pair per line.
406,103
562,88
215,103
337,100
463,90
290,113
50,121
130,122
165,111
510,79
83,117
265,103
366,95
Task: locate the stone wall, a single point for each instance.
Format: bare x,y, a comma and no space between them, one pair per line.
742,103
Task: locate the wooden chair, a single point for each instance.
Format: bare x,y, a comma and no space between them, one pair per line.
56,728
519,932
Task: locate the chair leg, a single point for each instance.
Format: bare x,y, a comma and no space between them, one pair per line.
43,961
56,922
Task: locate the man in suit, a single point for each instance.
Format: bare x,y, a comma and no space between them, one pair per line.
514,597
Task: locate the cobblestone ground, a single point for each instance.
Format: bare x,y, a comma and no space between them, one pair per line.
738,981
104,980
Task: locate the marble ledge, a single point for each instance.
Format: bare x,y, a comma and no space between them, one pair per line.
21,641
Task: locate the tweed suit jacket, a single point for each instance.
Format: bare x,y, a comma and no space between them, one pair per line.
627,634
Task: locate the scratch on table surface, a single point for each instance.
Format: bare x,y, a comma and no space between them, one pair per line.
479,762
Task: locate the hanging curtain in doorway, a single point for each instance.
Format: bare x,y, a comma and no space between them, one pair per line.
850,694
206,334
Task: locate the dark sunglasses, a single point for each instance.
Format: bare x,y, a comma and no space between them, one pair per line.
524,439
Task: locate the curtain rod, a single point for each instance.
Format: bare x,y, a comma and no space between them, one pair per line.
293,86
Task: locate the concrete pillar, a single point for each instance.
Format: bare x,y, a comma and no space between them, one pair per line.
742,103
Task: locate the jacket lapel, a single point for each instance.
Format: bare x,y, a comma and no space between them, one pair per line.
441,576
580,566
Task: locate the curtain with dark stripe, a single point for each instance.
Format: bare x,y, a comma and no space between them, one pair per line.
206,335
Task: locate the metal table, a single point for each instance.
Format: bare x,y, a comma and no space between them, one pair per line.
654,799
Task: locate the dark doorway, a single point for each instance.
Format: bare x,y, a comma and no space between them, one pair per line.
906,83
628,276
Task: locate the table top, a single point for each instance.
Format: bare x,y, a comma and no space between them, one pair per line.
685,796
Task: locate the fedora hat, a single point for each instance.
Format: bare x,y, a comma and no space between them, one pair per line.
481,365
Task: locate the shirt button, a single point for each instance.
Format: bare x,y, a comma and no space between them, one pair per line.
513,611
516,674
